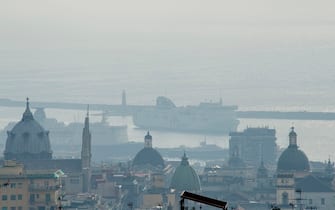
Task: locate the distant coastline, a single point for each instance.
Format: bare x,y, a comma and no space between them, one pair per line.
117,110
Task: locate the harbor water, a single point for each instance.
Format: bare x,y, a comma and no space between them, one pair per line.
287,78
315,138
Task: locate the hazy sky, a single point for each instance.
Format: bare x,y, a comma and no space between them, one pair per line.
242,50
155,24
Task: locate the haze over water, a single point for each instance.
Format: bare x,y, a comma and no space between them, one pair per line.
260,55
314,137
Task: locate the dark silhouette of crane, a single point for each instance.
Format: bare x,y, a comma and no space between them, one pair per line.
201,199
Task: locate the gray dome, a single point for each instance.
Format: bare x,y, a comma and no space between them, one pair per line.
148,156
185,177
293,159
27,140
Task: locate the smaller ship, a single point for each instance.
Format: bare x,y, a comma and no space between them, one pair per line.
71,134
207,117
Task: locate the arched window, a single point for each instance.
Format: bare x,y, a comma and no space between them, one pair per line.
285,198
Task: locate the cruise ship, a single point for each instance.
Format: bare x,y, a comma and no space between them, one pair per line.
207,117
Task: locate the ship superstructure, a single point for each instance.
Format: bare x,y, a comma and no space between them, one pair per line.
207,117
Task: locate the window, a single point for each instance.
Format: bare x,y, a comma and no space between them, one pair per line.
47,197
4,197
4,208
285,198
19,196
19,208
19,185
12,185
12,208
323,201
12,197
310,201
32,198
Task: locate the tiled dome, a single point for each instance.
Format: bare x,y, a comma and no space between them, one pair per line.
185,177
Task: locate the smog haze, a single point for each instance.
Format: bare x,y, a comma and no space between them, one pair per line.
250,53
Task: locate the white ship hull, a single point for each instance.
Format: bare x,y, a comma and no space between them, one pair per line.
205,118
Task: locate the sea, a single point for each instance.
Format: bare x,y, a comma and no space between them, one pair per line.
315,138
284,79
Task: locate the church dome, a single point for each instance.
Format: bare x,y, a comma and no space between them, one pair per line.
185,177
293,159
148,155
27,140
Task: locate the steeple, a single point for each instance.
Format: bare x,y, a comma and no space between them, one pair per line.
27,115
293,138
87,118
86,143
86,153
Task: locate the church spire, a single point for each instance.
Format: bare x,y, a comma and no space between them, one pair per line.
87,122
86,153
86,142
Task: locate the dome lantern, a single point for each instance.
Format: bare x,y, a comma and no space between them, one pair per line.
293,138
148,140
27,115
